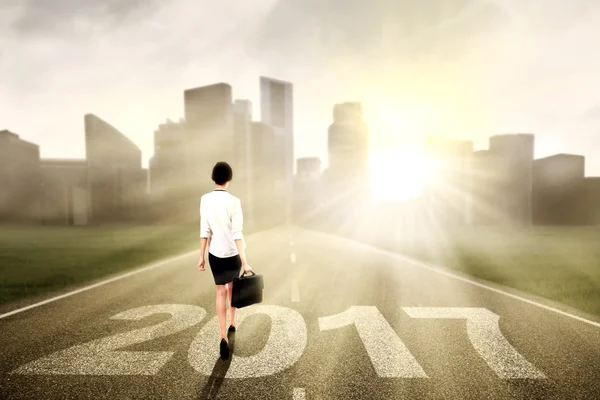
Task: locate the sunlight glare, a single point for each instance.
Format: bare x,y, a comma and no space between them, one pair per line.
398,174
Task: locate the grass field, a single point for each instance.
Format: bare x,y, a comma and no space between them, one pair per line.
36,260
558,263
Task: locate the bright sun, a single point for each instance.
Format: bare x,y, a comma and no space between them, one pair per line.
398,174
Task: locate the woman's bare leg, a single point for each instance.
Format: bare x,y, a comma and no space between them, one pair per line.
232,310
222,310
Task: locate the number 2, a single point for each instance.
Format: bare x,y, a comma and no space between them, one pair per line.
100,356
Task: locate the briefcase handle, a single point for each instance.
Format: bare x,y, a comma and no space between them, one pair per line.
251,272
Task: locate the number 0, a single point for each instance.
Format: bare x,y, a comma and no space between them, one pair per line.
284,346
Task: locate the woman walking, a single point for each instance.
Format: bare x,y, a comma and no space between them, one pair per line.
221,223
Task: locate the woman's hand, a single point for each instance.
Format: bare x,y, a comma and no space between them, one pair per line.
246,267
201,264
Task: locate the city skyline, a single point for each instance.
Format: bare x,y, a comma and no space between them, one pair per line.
410,81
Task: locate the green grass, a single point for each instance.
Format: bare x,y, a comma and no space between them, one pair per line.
558,263
36,259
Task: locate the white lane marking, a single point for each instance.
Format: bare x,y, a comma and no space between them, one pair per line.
285,345
293,257
101,357
388,354
484,333
442,271
95,285
295,291
299,394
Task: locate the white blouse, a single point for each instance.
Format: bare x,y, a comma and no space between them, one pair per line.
221,216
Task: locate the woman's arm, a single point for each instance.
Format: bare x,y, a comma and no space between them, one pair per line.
239,243
237,224
205,235
203,246
205,242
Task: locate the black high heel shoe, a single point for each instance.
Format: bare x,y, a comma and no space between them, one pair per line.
231,329
224,348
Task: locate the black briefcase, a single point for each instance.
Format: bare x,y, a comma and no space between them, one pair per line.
247,290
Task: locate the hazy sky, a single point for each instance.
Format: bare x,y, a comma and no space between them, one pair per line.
461,68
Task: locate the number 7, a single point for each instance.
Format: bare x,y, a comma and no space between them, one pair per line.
487,339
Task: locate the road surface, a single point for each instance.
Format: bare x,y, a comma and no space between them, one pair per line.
339,320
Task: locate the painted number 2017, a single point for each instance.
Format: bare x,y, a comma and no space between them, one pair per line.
284,347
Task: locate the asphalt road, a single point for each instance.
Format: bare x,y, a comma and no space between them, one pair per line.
339,320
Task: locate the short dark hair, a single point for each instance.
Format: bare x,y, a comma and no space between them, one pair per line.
222,173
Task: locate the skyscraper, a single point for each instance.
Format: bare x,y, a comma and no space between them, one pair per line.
556,183
488,172
348,150
268,206
447,191
210,134
167,166
242,161
19,178
515,193
65,196
116,180
308,185
277,111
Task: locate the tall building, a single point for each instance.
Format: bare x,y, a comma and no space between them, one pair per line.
489,173
277,111
242,160
556,183
268,205
308,168
447,190
587,203
308,186
210,134
168,166
116,180
19,178
348,150
515,193
65,198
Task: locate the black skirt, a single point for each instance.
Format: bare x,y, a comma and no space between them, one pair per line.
224,270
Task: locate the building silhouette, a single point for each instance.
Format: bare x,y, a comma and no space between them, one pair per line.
277,111
562,195
348,151
308,169
108,185
308,185
116,181
217,128
446,194
502,185
168,161
210,135
515,192
65,194
268,206
19,178
556,186
588,201
488,174
242,161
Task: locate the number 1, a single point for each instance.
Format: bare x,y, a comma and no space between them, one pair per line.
388,354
